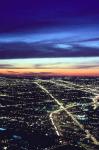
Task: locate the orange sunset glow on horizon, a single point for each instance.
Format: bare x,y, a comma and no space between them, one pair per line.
50,72
81,66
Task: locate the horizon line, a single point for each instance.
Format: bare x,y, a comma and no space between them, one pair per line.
49,72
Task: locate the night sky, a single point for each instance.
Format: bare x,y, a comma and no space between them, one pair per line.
49,34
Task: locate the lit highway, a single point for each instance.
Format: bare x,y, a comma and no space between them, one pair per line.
61,107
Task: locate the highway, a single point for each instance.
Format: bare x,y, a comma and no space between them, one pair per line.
61,107
94,103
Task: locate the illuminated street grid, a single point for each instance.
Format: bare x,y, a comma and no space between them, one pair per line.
47,114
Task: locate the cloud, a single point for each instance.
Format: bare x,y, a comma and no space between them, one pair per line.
6,66
82,66
69,65
54,65
89,40
42,50
13,72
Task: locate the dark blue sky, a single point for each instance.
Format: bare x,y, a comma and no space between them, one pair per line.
49,28
18,15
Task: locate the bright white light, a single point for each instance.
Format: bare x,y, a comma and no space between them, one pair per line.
5,148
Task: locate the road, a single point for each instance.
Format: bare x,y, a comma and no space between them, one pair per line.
61,107
94,103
